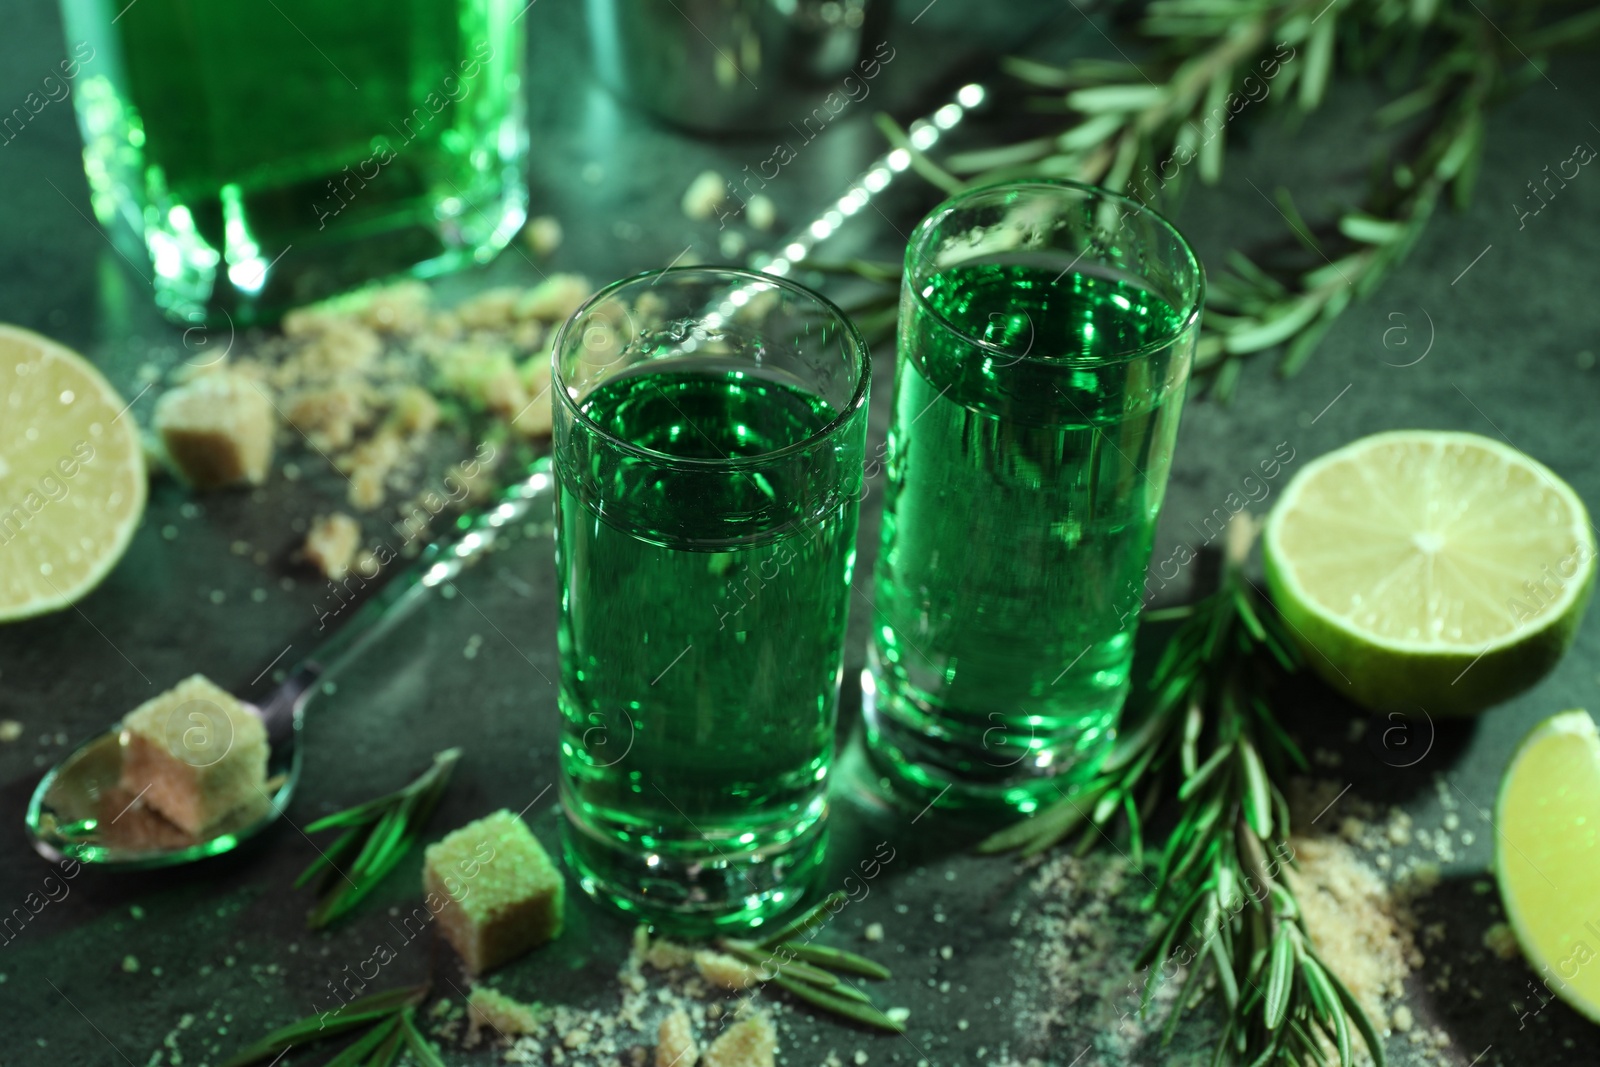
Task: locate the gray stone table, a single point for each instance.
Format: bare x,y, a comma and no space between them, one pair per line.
1506,315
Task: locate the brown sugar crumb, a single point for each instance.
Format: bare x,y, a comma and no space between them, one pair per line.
484,375
750,1043
331,544
329,415
217,430
492,309
492,1010
555,298
368,466
400,310
724,971
413,411
675,1045
336,343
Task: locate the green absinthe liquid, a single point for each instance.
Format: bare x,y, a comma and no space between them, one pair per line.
351,139
1024,482
703,616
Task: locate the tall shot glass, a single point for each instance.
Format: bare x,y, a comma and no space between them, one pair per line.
709,434
1046,333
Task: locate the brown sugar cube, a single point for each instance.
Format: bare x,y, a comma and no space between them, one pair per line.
494,889
194,754
217,430
331,544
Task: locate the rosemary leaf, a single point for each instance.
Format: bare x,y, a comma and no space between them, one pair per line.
358,1050
1203,774
806,922
837,959
389,1051
843,1006
329,856
1328,1010
321,1026
419,1045
770,963
1258,794
1280,980
379,832
1357,1014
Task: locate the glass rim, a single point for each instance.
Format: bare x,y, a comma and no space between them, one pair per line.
1189,315
854,340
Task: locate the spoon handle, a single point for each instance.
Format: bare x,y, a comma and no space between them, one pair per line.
475,533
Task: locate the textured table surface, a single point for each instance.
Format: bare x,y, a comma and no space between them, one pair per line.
1489,327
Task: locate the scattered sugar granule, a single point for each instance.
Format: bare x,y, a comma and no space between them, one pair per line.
1502,941
873,932
1401,1019
543,235
10,729
675,1045
1353,920
704,195
760,212
130,964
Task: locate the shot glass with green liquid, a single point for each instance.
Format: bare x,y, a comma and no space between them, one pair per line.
246,156
709,435
1046,332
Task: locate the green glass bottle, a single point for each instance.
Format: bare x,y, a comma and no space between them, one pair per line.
259,155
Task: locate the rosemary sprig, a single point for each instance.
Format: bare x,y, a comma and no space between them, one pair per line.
1209,747
377,835
383,1020
1135,129
818,975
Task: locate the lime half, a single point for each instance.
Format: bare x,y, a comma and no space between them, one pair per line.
1428,569
72,478
1547,855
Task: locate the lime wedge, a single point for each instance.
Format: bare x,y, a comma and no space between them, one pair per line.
1427,569
1547,855
72,479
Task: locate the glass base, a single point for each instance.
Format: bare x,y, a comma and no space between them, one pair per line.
928,764
199,284
694,891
